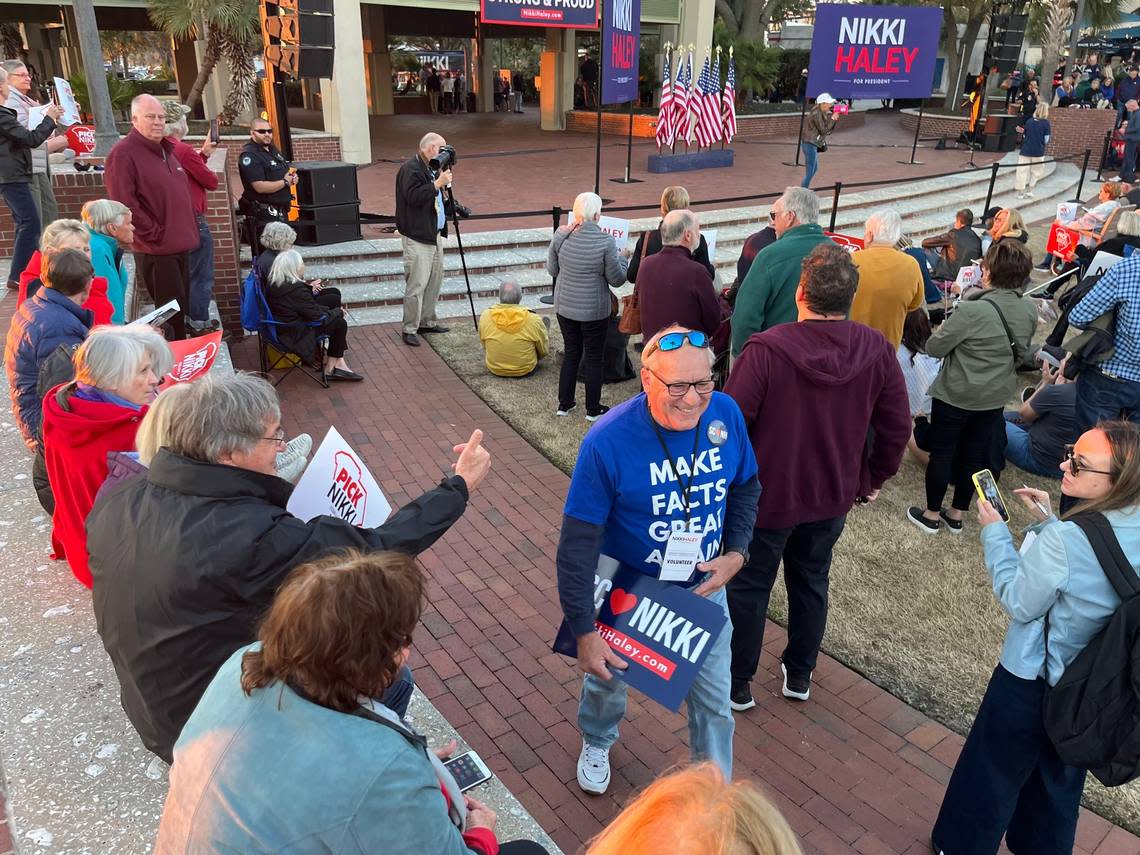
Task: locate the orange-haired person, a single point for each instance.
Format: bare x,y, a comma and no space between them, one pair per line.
696,812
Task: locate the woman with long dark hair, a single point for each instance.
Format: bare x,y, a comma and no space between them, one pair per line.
1008,779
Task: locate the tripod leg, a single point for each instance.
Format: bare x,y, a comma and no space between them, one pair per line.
462,258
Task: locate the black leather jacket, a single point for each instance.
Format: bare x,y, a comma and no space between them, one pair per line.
16,144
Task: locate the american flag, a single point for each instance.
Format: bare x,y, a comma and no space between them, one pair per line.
705,103
682,128
728,102
666,130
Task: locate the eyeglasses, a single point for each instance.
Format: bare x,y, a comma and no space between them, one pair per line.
772,215
1076,467
19,74
278,437
680,390
676,340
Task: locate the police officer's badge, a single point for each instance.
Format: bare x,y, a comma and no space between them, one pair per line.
246,160
718,433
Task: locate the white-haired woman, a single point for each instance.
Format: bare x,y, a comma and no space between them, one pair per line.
16,144
586,263
58,236
117,374
202,180
277,237
292,301
112,233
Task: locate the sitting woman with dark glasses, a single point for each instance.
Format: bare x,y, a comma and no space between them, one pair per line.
1009,779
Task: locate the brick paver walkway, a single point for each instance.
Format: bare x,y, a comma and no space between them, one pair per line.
853,770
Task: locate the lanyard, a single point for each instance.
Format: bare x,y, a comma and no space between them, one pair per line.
669,460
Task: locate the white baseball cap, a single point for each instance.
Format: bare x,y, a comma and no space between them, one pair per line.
824,98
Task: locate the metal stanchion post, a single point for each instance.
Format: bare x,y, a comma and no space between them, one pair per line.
835,205
1084,169
803,116
990,191
548,299
1103,154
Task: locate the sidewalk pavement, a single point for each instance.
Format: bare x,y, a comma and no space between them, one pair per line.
853,770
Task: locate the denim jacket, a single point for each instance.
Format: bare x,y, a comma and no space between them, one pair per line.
1059,576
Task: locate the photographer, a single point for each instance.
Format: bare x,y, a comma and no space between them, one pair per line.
266,183
421,218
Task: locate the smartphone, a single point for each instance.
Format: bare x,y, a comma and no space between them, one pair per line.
1046,356
468,769
988,489
215,132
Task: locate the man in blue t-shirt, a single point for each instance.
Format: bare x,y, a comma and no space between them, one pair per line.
674,459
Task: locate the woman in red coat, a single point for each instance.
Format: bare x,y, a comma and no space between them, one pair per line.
66,234
117,372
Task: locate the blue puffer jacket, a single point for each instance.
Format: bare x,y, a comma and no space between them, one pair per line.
40,325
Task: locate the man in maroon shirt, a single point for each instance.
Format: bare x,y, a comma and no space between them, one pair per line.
201,180
827,412
144,174
674,288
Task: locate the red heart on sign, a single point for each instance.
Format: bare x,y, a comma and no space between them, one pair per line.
620,601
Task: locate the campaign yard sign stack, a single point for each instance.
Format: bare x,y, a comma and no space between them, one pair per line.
664,632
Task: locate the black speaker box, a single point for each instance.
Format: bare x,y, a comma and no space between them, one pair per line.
326,182
301,60
327,224
301,29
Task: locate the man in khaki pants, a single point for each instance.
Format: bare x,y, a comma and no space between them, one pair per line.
422,222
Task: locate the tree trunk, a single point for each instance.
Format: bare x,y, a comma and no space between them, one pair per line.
92,51
1056,23
243,78
753,16
210,59
728,15
953,51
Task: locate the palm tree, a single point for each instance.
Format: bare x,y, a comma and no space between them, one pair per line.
92,51
231,31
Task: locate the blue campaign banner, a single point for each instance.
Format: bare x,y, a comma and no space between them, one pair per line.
664,631
581,14
874,51
443,60
621,36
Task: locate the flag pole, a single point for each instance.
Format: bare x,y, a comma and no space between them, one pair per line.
720,100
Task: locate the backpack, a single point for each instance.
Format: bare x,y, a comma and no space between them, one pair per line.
1092,715
1095,343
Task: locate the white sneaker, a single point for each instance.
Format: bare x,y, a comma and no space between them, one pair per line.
565,412
593,769
291,462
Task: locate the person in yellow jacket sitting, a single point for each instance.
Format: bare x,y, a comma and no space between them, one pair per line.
513,336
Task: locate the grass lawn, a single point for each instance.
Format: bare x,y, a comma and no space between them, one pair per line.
914,613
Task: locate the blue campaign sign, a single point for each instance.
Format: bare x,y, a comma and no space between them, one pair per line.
664,631
874,51
621,34
580,14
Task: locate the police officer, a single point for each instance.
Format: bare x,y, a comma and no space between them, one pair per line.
266,182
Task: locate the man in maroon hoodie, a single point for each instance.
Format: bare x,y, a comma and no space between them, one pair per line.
144,174
826,408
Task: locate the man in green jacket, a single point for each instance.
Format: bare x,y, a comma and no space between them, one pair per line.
767,295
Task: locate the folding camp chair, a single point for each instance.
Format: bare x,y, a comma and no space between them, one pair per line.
271,352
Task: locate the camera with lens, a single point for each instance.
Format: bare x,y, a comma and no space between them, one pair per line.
444,160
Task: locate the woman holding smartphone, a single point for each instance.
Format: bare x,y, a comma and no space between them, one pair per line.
1009,779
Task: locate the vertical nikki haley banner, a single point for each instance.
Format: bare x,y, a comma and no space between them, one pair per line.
621,37
874,51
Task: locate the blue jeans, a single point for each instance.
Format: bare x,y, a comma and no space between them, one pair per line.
18,197
399,694
1104,398
1020,454
602,705
1009,780
811,163
201,274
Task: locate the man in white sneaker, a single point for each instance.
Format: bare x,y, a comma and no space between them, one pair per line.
675,457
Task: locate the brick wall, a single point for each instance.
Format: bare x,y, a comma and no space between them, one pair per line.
73,189
645,125
1073,130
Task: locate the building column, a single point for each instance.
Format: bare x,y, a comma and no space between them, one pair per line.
72,60
344,99
558,73
379,61
696,27
483,76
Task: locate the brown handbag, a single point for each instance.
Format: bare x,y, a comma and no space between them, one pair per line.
630,321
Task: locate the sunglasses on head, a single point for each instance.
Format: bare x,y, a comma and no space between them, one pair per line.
676,340
1076,467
